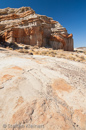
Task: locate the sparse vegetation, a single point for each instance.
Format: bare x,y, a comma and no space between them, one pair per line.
85,52
26,47
23,51
35,50
74,56
82,58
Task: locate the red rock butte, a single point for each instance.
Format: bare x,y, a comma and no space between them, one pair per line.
23,25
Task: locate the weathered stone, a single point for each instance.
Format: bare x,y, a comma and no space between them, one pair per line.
23,25
41,90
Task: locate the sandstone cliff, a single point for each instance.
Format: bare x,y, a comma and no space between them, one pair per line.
23,25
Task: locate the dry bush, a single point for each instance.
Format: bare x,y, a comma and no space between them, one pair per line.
43,52
9,48
54,53
85,52
82,58
72,54
51,52
25,51
62,55
77,55
43,47
78,60
71,58
35,47
21,50
26,47
36,53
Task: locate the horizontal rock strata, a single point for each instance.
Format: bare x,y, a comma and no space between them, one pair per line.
23,25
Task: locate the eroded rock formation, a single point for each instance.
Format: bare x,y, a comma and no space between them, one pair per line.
23,25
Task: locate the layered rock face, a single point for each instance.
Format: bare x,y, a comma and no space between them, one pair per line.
23,25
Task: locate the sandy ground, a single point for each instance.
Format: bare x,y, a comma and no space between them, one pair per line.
52,91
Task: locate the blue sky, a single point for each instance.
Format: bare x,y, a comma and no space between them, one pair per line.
70,13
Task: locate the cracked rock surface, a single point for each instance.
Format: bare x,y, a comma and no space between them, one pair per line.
42,92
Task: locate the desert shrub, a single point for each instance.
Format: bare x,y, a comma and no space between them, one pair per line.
85,52
25,51
26,47
21,50
53,55
77,60
43,47
82,58
77,55
10,48
30,53
71,58
35,47
43,53
36,53
62,54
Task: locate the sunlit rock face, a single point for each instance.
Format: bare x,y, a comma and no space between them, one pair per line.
23,25
41,91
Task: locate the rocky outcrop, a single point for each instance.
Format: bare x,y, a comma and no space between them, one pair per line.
41,92
23,25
